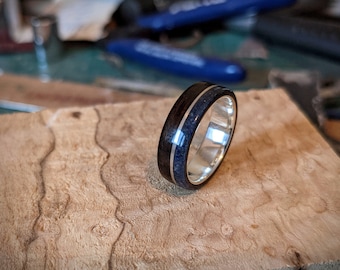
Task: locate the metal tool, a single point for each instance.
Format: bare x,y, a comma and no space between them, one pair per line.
179,15
178,61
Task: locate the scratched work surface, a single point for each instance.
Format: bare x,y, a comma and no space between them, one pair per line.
79,189
84,64
58,94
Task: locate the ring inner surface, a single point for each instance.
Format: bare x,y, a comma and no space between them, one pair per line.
211,140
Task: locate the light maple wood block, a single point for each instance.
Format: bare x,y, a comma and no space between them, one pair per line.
79,189
58,94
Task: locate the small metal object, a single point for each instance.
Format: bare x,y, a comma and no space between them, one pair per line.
48,47
18,106
197,134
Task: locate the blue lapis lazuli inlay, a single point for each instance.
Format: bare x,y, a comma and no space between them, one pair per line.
188,131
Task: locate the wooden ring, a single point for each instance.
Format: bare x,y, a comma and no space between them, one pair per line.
197,134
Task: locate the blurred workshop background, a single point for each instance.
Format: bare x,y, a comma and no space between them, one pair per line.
160,47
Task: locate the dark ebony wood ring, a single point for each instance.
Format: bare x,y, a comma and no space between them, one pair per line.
196,134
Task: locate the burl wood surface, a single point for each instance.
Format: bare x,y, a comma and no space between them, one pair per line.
79,189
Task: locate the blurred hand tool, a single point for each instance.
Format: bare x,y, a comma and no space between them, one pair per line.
179,15
185,13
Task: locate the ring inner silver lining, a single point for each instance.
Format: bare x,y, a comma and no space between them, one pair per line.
211,140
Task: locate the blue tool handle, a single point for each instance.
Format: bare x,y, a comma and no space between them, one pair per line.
175,61
194,12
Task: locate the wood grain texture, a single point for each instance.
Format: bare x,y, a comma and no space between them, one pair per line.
79,188
59,94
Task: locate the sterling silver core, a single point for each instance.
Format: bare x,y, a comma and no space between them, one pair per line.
197,134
